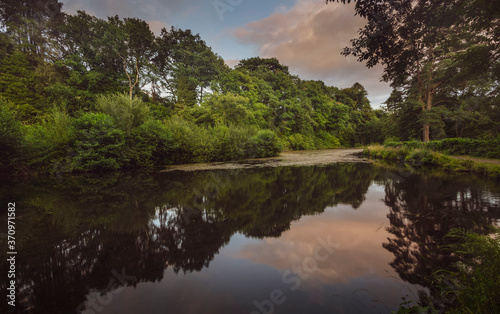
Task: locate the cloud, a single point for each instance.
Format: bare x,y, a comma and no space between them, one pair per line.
156,26
147,10
231,62
308,38
356,239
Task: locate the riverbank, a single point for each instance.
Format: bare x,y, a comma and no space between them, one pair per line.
418,157
290,158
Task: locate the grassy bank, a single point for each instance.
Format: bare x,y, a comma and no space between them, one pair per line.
419,157
456,146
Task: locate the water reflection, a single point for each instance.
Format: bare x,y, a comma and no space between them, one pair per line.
423,209
166,230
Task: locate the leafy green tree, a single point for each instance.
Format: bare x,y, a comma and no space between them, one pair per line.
134,43
426,45
11,137
89,51
185,65
17,84
30,24
257,64
230,109
127,113
97,143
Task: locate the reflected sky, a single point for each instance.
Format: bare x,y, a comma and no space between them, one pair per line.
355,278
343,238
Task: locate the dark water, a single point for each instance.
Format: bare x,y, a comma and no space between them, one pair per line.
346,238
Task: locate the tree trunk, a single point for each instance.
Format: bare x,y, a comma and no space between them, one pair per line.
426,123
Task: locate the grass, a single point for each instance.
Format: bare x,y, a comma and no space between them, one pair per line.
476,279
419,157
470,285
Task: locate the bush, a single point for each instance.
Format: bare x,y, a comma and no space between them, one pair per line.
232,142
151,144
266,144
11,137
298,141
97,144
194,143
127,113
48,141
325,140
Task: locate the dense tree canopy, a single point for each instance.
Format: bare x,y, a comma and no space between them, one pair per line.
438,53
65,77
440,57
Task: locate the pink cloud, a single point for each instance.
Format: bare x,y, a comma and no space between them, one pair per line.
231,62
309,38
156,26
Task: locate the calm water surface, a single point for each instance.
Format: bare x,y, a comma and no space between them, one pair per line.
345,238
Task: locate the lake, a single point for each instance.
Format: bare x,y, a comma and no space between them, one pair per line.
340,238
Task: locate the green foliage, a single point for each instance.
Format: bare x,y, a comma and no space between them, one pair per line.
11,137
325,140
151,144
466,146
17,84
265,144
298,141
211,112
48,139
97,143
127,113
220,143
233,142
456,146
418,157
194,143
473,286
229,109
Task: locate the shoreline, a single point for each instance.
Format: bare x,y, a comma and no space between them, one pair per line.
289,158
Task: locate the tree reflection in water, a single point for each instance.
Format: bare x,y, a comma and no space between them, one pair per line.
423,209
73,233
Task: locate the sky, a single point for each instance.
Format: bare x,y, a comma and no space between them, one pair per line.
306,35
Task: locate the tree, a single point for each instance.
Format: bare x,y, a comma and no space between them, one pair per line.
135,47
426,45
263,64
185,65
29,23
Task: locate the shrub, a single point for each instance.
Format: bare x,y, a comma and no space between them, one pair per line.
266,144
419,157
325,140
232,142
151,144
97,143
11,137
194,143
298,141
49,139
127,113
456,146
